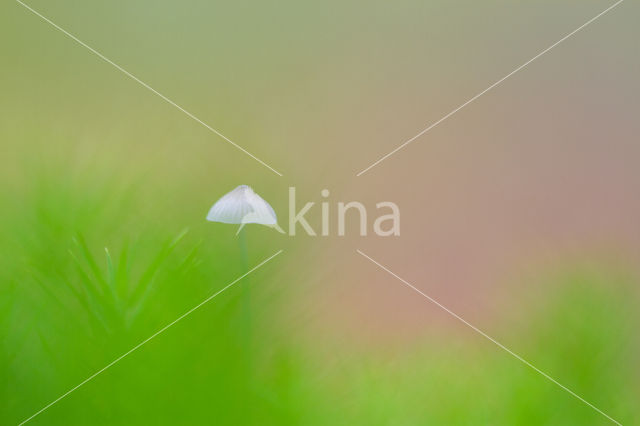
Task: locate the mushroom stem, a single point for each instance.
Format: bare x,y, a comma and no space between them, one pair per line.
244,257
246,296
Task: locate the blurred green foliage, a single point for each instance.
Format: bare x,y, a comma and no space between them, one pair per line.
82,282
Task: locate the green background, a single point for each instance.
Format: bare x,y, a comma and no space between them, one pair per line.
104,189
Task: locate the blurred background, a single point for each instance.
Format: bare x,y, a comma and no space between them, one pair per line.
520,213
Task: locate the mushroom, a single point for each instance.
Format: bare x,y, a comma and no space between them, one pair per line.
242,206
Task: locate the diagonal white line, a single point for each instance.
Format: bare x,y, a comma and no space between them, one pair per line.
489,88
500,345
150,337
133,77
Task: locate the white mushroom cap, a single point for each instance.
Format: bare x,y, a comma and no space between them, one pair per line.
242,206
